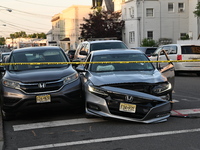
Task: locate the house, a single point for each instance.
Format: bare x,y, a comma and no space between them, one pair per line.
65,30
164,21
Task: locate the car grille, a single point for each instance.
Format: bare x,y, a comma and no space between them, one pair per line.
34,88
140,87
142,105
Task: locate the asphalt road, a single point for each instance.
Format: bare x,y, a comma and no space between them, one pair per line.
68,130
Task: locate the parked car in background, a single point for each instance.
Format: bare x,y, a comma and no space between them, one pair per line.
129,91
181,52
3,56
39,86
86,47
147,50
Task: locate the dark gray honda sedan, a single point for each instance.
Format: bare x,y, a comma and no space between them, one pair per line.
39,85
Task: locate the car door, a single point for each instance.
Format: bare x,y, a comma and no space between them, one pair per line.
166,68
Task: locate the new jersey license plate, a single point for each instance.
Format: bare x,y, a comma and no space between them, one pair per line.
127,107
43,98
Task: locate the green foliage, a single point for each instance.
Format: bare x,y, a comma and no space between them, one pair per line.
2,40
23,34
186,37
197,11
148,43
102,24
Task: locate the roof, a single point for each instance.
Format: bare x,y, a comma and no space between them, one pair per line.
35,48
104,41
116,51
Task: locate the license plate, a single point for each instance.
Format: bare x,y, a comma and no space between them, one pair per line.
43,98
127,107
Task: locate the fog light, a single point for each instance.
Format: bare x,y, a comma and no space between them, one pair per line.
93,106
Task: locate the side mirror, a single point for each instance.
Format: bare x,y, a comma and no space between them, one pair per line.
80,68
83,53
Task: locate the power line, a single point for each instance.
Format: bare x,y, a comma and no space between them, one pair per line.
33,14
7,22
18,27
25,19
39,4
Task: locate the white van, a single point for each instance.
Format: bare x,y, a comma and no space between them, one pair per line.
181,52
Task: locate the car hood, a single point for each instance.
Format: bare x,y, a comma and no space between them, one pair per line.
39,74
107,78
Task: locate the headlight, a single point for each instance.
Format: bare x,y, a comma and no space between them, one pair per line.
96,90
162,88
11,84
70,78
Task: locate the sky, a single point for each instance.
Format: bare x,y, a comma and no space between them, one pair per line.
31,16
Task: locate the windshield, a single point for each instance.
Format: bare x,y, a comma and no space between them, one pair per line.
108,45
157,51
38,56
120,66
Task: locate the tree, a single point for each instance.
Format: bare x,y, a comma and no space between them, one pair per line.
197,11
23,34
2,40
102,24
197,14
148,43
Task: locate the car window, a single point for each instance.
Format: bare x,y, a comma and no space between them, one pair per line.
170,49
107,45
37,56
150,50
190,49
121,66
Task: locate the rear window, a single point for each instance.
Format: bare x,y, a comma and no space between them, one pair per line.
190,49
150,50
108,45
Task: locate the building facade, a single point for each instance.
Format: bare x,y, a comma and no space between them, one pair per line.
164,21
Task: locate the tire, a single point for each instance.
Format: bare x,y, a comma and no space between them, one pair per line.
198,73
7,116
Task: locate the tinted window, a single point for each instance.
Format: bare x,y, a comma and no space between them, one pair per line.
121,66
37,56
190,49
150,50
108,45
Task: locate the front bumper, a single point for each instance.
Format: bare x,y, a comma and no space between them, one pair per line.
15,100
145,113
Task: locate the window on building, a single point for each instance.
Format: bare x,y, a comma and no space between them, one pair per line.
124,13
183,35
149,12
131,12
150,34
131,37
171,7
181,7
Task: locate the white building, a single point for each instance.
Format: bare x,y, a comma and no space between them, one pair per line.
161,20
66,26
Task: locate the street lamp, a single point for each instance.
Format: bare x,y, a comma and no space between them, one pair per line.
8,9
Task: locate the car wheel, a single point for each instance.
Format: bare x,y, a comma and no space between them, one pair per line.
198,73
7,116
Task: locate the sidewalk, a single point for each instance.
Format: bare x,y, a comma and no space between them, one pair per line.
1,133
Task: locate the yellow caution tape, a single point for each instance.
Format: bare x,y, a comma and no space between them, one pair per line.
102,62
